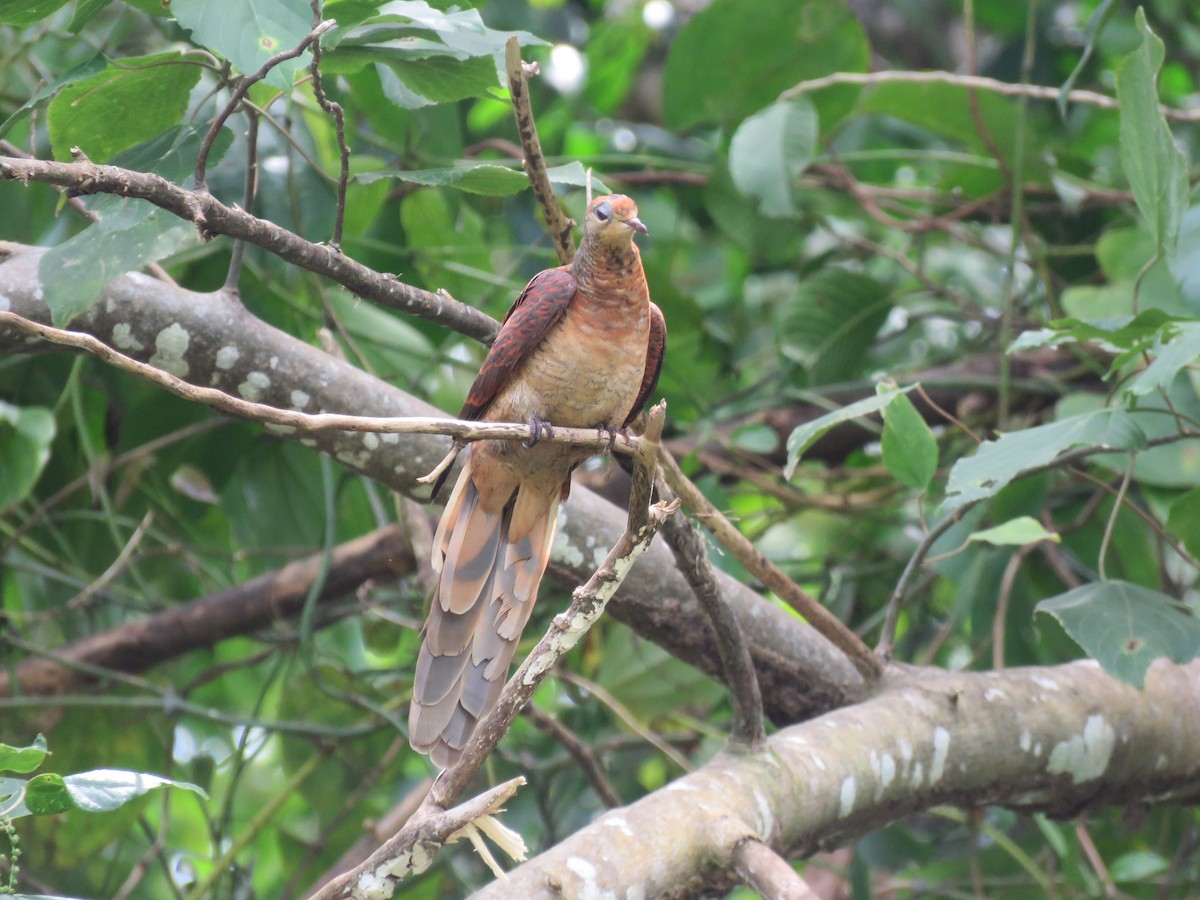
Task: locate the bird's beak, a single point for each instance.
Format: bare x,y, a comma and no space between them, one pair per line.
636,225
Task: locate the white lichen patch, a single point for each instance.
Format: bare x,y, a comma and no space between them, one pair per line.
170,346
918,775
124,338
1026,740
1084,756
565,551
1161,762
589,889
370,440
1043,682
849,790
941,748
390,437
766,819
300,400
254,386
991,695
906,750
5,303
619,823
227,356
887,771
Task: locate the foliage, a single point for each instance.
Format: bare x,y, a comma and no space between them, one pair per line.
875,341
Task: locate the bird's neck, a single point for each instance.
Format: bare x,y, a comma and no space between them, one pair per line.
611,274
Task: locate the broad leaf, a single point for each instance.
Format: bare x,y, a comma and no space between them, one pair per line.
23,759
81,72
770,150
1152,162
807,434
1120,333
1183,520
46,795
735,56
1015,533
1125,627
102,790
830,326
26,12
25,437
94,113
1169,359
998,462
249,32
492,180
910,450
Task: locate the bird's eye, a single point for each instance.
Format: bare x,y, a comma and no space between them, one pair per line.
603,211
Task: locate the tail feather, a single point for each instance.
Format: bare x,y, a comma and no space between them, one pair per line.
485,593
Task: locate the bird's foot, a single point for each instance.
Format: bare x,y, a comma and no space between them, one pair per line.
612,431
538,429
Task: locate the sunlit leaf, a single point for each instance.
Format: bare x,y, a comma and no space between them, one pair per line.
769,151
910,450
807,434
23,759
1015,532
25,437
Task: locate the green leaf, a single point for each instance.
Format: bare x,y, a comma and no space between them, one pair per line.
1138,865
1169,358
769,151
1125,627
1015,533
998,462
910,450
81,72
807,434
249,32
26,12
831,325
736,56
25,437
1151,160
413,83
1119,333
103,790
23,759
1183,520
93,114
129,233
46,795
491,180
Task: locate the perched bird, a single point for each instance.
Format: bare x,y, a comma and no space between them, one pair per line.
582,347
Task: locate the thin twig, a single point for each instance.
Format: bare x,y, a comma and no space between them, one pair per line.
248,194
979,82
1110,525
339,119
825,622
736,663
239,92
580,752
309,422
534,162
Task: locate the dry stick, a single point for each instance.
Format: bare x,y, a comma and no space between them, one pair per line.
579,751
240,91
977,82
425,833
534,162
212,217
388,865
825,622
307,422
736,663
339,120
768,873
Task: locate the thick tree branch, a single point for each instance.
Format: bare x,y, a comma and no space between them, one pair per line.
203,622
1056,739
211,340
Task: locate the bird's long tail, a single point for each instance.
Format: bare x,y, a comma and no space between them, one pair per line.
490,564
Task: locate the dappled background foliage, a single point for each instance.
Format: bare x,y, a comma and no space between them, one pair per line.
803,248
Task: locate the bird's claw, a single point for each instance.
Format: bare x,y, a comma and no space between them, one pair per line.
612,431
538,428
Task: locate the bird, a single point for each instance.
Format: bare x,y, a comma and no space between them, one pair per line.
581,347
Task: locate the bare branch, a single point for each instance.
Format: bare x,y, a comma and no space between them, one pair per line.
534,162
339,120
580,752
768,873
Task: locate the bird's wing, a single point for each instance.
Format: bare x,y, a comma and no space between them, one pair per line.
540,307
655,352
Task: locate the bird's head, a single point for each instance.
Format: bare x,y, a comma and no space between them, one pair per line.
611,221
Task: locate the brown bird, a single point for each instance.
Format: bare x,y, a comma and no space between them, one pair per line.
582,347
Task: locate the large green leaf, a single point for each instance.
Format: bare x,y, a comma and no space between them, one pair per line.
998,462
910,450
1183,520
1152,162
737,56
1182,346
249,32
25,436
769,151
832,323
82,72
103,790
809,433
26,12
94,114
1125,627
